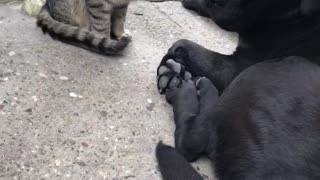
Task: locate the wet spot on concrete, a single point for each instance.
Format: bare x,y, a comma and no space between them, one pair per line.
69,142
150,106
103,114
84,144
28,111
129,177
205,176
81,163
39,51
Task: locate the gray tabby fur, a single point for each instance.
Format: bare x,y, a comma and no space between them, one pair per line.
97,25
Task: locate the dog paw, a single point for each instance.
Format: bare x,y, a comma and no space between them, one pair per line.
204,85
198,6
170,75
207,92
185,95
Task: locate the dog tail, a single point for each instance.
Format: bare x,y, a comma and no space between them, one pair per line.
174,166
78,36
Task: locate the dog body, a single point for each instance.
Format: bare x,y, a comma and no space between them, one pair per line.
265,125
256,114
267,29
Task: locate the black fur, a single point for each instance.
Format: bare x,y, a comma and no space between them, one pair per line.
256,115
168,156
264,126
267,29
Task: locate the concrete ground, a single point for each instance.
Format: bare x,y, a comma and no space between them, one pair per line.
67,113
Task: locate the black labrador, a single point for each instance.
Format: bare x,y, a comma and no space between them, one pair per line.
256,113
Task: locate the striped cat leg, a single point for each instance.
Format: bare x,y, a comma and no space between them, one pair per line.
118,18
100,17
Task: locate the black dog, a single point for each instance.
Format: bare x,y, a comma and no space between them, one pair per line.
266,123
267,29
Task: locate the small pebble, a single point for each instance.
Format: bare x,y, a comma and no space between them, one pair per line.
72,94
64,78
4,79
12,53
43,75
35,99
57,162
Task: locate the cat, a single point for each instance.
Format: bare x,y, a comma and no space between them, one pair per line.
96,25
